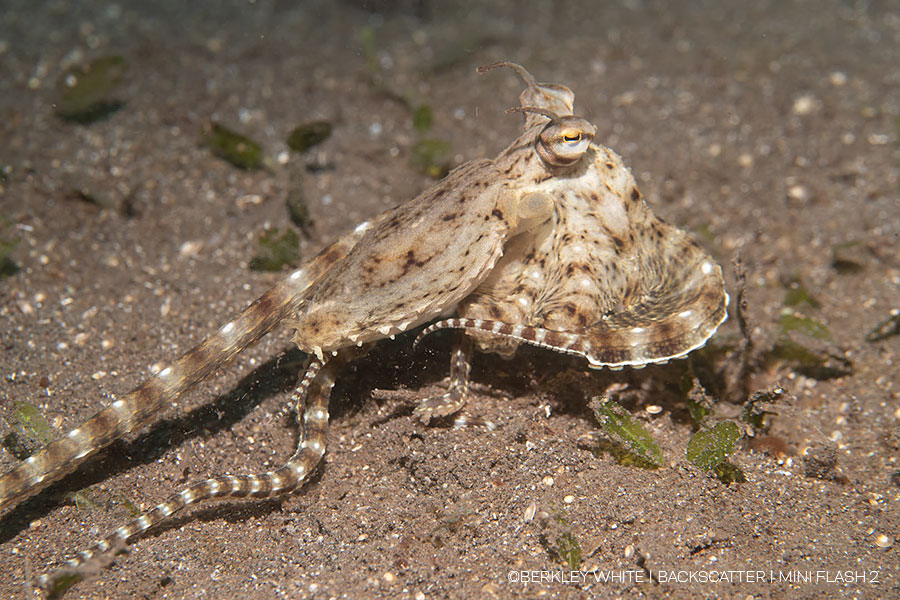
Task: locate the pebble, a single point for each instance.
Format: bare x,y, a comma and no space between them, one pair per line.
798,192
529,512
804,105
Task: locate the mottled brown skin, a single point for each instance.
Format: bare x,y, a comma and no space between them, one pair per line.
603,278
514,239
428,255
604,268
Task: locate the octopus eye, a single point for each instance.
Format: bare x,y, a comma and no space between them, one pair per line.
571,136
564,141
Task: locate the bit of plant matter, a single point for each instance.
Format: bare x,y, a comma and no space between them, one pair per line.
277,249
85,91
617,422
306,135
237,149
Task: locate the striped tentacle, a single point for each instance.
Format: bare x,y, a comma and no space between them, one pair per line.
677,318
314,390
458,393
558,341
136,408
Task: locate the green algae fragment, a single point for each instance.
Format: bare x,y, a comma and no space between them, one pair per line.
429,156
560,543
7,265
30,431
709,448
699,403
98,498
617,422
794,321
796,295
422,118
237,149
85,90
276,249
698,411
84,500
886,328
564,549
819,365
31,423
305,136
727,473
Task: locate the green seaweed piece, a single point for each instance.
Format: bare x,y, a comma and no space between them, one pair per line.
886,328
728,473
130,506
698,411
84,500
30,431
429,156
711,447
97,498
616,421
560,543
237,149
566,550
699,403
85,90
306,135
794,321
814,364
422,118
276,249
8,266
796,295
32,423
